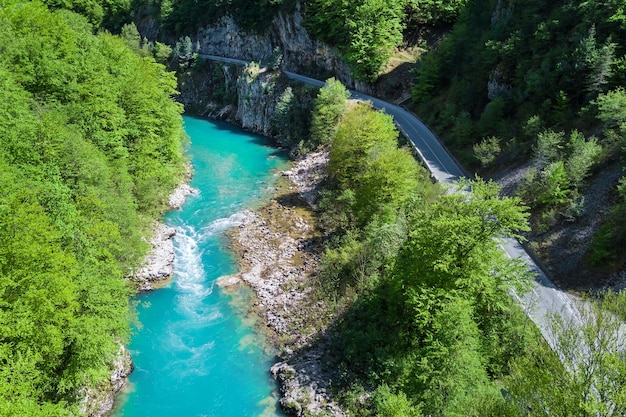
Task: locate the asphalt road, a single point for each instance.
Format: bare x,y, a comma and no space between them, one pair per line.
544,298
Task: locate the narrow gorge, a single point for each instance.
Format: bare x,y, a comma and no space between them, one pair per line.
195,348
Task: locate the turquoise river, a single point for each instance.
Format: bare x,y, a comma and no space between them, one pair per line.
195,354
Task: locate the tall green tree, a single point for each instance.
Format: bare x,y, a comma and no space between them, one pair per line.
330,105
366,31
375,31
452,281
366,162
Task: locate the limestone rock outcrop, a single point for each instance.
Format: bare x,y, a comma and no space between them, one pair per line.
287,34
98,401
158,265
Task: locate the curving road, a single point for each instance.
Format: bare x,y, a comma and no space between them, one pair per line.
544,298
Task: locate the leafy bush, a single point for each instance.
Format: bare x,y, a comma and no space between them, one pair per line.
388,404
487,150
561,168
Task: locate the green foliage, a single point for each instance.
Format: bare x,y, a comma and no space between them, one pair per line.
583,154
560,171
375,30
552,187
276,61
161,52
601,248
293,117
362,130
492,118
597,61
388,404
453,280
487,150
185,16
435,11
366,31
371,182
462,129
587,375
364,159
552,59
356,259
131,35
431,321
612,234
533,126
612,107
460,230
90,146
425,85
330,105
433,318
183,52
108,14
548,146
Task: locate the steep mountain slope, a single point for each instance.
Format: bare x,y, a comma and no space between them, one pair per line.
540,84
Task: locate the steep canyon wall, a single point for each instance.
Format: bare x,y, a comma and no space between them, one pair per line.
287,34
245,96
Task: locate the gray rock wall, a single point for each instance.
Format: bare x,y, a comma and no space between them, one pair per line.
258,94
246,96
301,53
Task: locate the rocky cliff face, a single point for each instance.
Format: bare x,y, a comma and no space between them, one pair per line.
209,89
258,93
286,33
258,99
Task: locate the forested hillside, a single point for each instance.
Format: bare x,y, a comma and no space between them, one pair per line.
90,147
421,291
509,81
518,81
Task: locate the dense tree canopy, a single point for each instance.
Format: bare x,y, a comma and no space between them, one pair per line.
517,74
368,31
365,161
419,280
90,147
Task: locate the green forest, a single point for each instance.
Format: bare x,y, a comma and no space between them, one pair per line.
517,81
426,324
91,145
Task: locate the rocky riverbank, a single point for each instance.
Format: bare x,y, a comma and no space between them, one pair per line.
158,265
99,401
279,248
